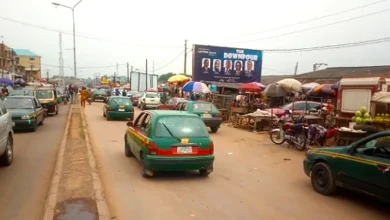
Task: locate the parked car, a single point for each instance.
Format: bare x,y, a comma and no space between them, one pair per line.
209,113
149,100
364,166
99,94
169,141
118,107
48,99
26,111
6,136
297,108
170,103
135,95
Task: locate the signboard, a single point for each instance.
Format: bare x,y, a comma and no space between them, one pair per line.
104,80
224,64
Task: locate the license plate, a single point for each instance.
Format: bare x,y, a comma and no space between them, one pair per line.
206,116
13,124
184,150
152,100
121,110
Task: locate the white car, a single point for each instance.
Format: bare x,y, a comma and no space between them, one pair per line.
149,100
6,136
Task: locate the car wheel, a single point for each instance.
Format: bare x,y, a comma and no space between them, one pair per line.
8,155
104,114
108,117
128,152
35,126
204,172
43,119
214,129
56,109
322,179
145,172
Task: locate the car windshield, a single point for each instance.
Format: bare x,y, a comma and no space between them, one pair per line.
44,94
121,101
151,95
204,106
180,126
18,103
100,91
21,92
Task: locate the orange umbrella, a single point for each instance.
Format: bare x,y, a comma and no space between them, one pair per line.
323,88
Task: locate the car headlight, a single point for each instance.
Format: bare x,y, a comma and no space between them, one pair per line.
26,117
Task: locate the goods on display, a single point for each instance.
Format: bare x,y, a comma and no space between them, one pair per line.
362,116
382,118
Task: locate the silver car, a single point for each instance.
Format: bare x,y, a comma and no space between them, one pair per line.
6,136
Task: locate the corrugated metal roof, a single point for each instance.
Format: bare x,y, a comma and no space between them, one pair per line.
25,52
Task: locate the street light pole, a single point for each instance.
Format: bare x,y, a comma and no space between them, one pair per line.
74,33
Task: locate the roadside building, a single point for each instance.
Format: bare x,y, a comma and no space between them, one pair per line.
29,63
7,61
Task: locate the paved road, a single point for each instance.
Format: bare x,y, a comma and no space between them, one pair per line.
253,179
24,185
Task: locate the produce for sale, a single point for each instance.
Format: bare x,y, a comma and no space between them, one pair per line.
362,116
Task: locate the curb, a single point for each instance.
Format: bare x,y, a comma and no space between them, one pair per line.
51,199
102,206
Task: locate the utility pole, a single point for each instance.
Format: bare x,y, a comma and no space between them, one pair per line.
47,75
296,69
131,73
151,77
153,67
146,79
128,73
185,56
114,78
117,69
61,63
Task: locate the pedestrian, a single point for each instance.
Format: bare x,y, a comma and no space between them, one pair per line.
124,93
84,96
117,93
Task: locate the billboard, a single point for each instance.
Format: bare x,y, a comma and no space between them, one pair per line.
225,64
138,81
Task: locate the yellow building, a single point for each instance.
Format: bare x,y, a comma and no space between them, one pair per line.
29,62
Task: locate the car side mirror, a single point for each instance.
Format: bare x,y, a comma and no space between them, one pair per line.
129,124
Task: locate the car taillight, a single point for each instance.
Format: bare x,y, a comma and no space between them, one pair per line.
153,148
211,147
109,108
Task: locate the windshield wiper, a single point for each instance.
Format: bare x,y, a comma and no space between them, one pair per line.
170,132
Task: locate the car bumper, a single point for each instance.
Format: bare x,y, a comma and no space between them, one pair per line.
175,163
151,105
212,122
23,124
118,114
307,165
102,98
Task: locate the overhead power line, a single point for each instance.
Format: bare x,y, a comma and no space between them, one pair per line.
330,47
87,67
81,35
312,28
314,19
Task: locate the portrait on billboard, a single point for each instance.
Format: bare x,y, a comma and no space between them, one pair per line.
217,66
227,69
206,66
249,68
237,67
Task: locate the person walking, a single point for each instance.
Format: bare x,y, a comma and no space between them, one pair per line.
124,93
84,96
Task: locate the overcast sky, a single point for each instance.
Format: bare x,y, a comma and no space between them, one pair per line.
120,31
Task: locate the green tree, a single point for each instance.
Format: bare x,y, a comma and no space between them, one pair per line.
164,77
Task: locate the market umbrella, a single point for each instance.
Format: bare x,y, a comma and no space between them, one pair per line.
253,86
323,88
274,90
336,85
197,87
309,86
178,78
6,81
290,85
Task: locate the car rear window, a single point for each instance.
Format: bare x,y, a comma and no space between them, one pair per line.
45,94
181,126
100,91
121,101
204,107
151,95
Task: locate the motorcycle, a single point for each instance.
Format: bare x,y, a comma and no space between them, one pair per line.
65,99
89,100
293,133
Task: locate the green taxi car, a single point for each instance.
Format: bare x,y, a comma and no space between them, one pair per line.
169,141
364,166
26,111
118,107
209,113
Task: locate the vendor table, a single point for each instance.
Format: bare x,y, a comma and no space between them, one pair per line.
259,122
344,138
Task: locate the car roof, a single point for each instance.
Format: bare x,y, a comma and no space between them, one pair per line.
171,113
21,96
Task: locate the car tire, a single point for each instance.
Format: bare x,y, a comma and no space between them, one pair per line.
104,114
8,156
322,179
143,167
128,152
35,126
214,129
43,119
204,172
56,109
108,118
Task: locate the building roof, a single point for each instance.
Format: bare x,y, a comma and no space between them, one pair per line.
341,72
266,80
25,52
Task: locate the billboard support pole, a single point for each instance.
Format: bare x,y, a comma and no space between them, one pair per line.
185,57
128,73
146,79
139,80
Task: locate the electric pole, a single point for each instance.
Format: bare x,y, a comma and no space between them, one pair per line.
61,63
296,69
146,80
131,73
117,71
185,57
128,73
151,77
114,78
47,75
